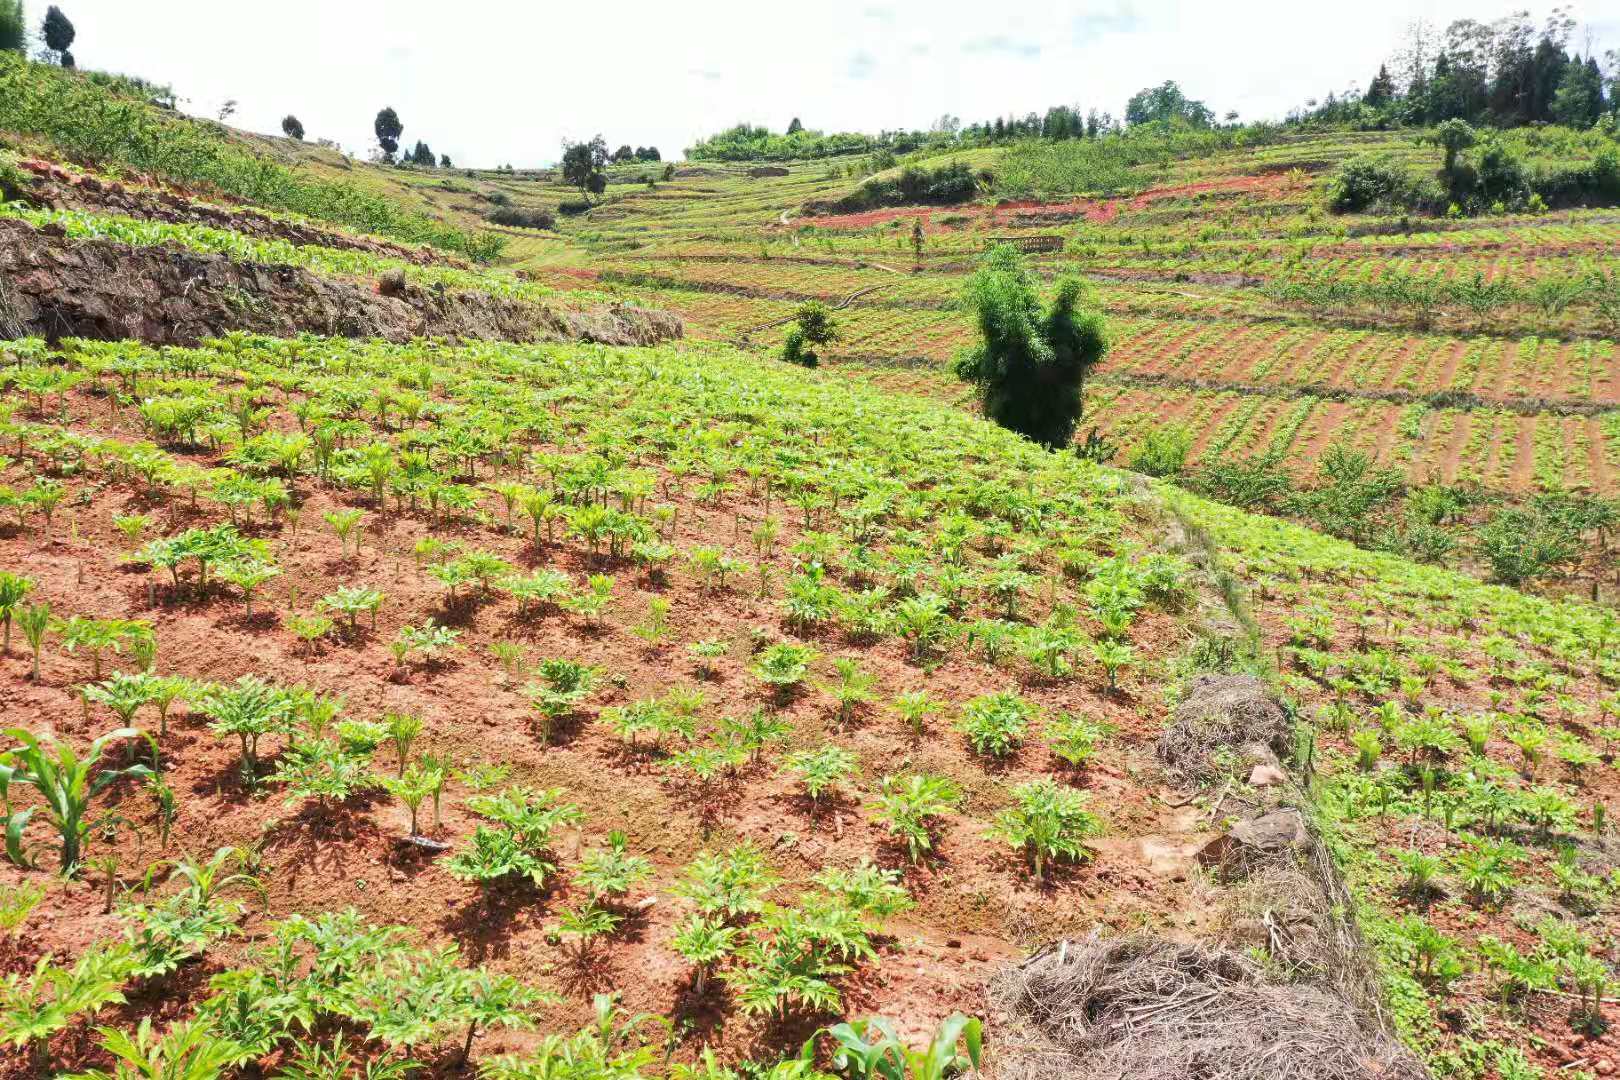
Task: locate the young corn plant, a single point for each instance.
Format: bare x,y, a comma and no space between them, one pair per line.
68,782
872,1050
13,588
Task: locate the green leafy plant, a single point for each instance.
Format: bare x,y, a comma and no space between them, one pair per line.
783,667
1048,822
68,782
821,770
562,685
995,723
907,806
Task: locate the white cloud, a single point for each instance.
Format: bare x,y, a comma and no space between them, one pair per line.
490,82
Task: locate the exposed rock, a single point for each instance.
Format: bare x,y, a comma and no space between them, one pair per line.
1263,776
391,283
1258,840
170,296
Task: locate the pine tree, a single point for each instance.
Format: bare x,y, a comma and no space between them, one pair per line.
292,127
1382,89
58,32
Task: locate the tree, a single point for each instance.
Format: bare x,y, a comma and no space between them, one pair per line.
623,154
1578,101
795,127
1382,89
444,162
1454,136
812,325
13,30
292,127
1029,369
388,129
422,155
582,165
1167,103
58,32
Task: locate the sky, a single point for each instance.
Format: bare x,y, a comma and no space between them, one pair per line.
492,83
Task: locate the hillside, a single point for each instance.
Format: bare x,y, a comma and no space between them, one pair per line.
477,628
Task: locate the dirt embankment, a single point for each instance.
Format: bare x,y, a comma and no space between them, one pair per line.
54,288
62,189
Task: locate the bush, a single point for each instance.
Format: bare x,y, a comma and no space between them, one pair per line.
571,207
1162,451
1522,544
522,218
813,325
1369,181
1029,370
946,185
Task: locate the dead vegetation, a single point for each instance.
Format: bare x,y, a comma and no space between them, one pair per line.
1148,1009
1224,718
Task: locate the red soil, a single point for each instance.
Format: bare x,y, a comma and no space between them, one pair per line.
976,908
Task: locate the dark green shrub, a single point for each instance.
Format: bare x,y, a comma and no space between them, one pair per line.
522,217
1522,544
812,325
1256,483
1368,181
1029,369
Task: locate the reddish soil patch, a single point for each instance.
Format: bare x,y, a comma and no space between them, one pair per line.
976,908
1097,211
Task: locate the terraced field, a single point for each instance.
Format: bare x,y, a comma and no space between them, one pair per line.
1195,269
426,666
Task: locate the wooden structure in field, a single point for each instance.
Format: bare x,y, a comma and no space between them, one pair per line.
1027,244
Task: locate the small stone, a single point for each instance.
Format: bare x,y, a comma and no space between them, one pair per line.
953,943
1604,1067
1265,776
